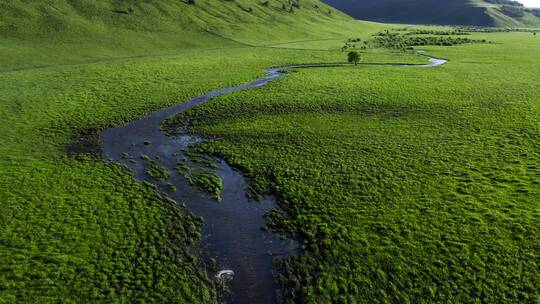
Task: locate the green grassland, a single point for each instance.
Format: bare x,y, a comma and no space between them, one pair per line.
77,227
50,32
74,228
407,185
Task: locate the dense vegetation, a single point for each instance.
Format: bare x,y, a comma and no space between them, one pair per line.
403,39
481,29
397,40
198,170
453,32
406,185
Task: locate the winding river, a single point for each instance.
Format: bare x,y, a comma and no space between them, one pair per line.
232,231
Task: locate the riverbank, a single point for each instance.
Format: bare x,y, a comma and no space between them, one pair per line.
232,232
401,182
78,225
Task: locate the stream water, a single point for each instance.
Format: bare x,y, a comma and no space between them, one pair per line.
232,231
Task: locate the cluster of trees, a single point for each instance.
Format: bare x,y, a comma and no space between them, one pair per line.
481,29
351,44
403,40
348,46
440,33
391,40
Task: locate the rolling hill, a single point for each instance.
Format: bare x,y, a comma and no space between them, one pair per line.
73,30
501,13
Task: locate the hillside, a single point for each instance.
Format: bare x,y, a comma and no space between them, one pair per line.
65,31
75,228
459,12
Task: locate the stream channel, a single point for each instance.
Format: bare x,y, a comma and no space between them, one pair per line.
231,232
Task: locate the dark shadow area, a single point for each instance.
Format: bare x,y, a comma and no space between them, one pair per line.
86,142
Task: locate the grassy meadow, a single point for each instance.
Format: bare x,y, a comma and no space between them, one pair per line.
406,185
73,226
77,227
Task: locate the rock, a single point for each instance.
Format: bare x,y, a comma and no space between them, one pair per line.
225,274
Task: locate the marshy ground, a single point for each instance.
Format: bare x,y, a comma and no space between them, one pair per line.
402,184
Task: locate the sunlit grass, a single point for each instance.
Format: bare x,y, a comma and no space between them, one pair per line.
407,184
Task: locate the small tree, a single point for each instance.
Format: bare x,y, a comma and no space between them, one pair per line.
354,57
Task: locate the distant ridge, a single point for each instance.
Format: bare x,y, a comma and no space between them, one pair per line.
500,13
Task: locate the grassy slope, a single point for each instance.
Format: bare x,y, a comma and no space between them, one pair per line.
418,12
80,30
502,20
459,12
408,185
79,229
